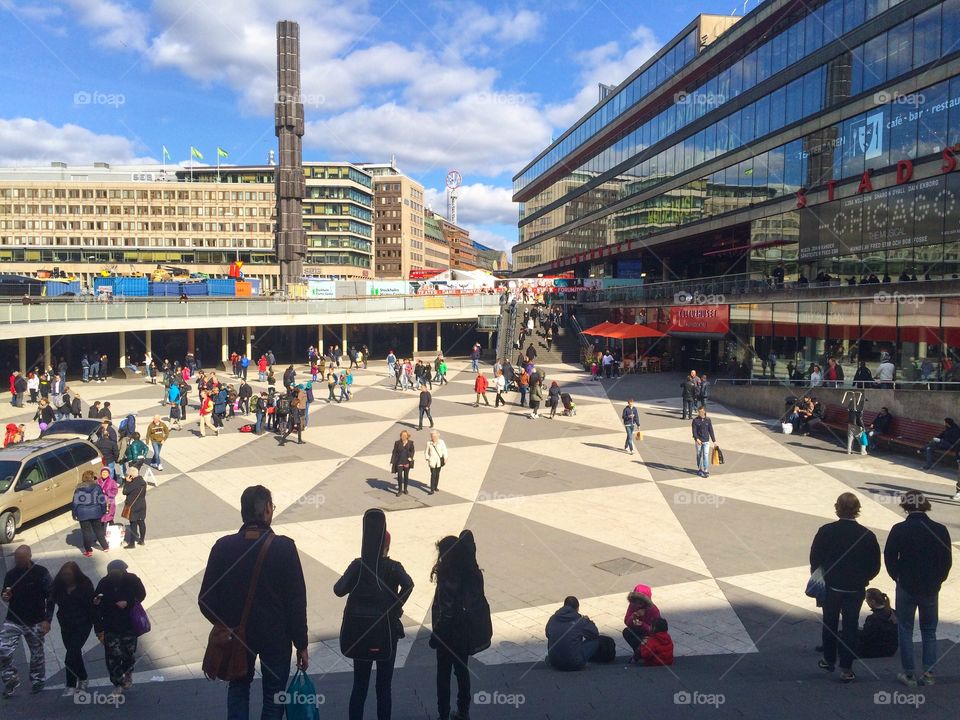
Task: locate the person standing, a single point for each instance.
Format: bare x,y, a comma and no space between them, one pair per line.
401,461
475,358
157,433
480,388
436,455
376,587
257,566
848,555
206,413
918,559
703,435
688,394
110,489
294,419
26,591
499,386
631,421
442,371
114,599
523,383
703,391
553,398
426,400
89,506
135,509
244,393
460,619
536,396
260,412
854,427
72,595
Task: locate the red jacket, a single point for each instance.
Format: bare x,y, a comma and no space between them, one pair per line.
480,385
13,379
206,406
262,364
657,650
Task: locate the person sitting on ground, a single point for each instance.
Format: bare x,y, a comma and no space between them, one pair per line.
655,650
573,639
878,637
947,441
641,612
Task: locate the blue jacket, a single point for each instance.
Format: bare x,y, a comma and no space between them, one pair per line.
630,416
703,430
89,502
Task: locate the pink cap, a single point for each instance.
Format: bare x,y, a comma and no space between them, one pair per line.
644,590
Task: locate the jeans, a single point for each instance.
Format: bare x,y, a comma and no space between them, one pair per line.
931,449
275,669
907,607
687,411
447,661
853,436
425,411
361,684
258,426
74,638
475,364
847,605
86,373
703,457
523,396
629,443
155,460
10,634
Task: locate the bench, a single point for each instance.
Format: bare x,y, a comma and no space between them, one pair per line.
904,433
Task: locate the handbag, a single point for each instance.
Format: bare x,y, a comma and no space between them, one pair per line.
301,698
128,507
864,438
139,621
816,585
226,655
716,455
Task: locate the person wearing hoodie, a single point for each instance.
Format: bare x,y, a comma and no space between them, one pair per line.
376,587
878,636
89,505
113,599
640,615
573,639
656,649
460,617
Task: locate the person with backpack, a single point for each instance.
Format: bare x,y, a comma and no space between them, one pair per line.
346,380
260,412
294,419
377,587
136,453
460,618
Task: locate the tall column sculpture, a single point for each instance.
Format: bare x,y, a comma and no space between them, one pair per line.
291,244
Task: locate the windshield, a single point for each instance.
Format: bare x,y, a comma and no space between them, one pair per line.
8,471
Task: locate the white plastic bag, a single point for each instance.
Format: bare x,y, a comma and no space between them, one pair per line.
114,535
787,428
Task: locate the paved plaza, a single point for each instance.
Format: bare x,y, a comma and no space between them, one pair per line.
557,508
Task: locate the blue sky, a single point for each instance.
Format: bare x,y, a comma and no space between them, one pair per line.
480,87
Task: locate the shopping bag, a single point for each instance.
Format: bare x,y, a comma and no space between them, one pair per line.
787,428
864,438
114,534
816,585
638,435
139,620
301,699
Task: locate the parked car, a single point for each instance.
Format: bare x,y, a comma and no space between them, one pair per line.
79,428
40,476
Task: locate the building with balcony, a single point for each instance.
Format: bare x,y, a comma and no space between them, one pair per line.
399,228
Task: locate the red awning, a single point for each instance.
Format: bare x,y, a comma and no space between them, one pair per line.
600,330
629,331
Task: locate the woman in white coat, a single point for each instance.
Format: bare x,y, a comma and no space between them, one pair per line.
437,456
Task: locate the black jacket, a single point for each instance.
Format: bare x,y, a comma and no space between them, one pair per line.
112,589
401,455
278,615
688,390
74,609
425,399
878,637
848,553
108,447
20,384
918,554
450,617
31,590
75,407
949,437
135,494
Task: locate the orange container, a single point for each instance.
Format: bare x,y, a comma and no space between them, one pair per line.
244,289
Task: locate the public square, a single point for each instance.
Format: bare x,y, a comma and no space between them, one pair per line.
558,508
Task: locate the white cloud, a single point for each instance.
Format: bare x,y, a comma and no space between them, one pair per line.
477,203
114,24
33,13
500,239
25,141
484,27
609,64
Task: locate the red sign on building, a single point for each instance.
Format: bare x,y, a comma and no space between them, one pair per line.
712,319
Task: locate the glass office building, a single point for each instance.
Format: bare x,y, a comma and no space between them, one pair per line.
817,134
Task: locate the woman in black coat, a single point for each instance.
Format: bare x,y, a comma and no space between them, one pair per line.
376,588
401,461
460,617
114,599
135,497
72,595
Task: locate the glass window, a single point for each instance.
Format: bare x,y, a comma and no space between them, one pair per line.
856,72
710,141
763,61
876,144
795,166
900,49
794,101
853,142
903,131
778,106
747,124
759,178
733,126
832,20
778,53
775,172
736,79
953,127
932,134
951,27
874,62
795,42
852,14
762,116
814,30
875,7
698,142
750,70
926,37
812,92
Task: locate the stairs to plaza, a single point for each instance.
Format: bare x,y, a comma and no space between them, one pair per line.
565,347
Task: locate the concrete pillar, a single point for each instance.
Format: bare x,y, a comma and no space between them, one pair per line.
416,337
122,361
320,340
343,340
192,341
148,341
489,339
22,353
47,354
921,350
224,344
439,339
249,332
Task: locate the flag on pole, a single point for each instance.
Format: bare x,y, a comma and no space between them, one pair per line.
195,153
221,152
166,153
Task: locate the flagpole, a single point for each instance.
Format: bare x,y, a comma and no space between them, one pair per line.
191,164
218,163
163,159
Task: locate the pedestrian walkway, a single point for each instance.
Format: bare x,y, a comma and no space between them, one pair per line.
557,508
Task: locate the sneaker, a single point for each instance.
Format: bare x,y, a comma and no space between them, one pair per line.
824,665
700,473
908,680
10,687
36,688
82,685
927,679
88,553
956,497
847,676
68,692
127,681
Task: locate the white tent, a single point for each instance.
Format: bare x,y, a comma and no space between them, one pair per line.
465,278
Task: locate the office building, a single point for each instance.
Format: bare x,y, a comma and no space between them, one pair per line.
399,233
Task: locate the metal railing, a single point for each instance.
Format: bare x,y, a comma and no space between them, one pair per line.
804,387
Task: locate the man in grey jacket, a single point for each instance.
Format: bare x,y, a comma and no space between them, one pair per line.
572,639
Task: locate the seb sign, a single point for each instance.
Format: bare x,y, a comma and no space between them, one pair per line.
712,319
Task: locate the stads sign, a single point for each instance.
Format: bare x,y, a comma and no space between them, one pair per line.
700,319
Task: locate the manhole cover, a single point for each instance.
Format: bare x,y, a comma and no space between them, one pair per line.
537,474
621,566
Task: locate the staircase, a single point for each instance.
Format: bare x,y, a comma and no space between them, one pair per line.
565,347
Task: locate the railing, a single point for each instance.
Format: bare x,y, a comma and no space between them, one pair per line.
91,309
585,345
803,386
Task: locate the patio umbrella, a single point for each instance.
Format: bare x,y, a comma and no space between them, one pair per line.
600,330
626,331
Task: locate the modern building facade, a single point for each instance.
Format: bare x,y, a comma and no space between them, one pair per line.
435,246
823,135
84,220
399,235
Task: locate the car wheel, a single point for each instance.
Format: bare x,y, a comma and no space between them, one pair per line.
8,527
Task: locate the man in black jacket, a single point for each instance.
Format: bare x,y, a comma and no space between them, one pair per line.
278,613
849,556
946,442
20,385
26,590
245,393
426,399
106,443
918,558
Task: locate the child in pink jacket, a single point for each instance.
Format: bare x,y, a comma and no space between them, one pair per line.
640,615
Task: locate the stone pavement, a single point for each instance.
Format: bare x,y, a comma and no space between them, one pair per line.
557,508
